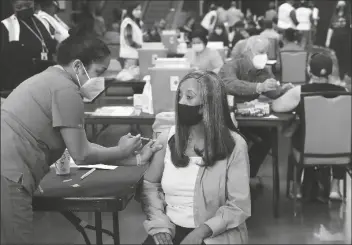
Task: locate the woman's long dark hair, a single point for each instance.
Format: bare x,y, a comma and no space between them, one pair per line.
217,121
129,14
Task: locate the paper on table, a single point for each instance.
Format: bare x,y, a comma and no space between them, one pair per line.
97,166
114,111
271,116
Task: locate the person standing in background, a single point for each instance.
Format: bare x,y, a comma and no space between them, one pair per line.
339,38
112,36
27,47
47,11
233,15
316,17
271,13
99,22
305,21
84,21
287,16
249,17
210,19
131,35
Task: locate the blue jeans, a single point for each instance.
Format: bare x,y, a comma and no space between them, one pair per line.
16,213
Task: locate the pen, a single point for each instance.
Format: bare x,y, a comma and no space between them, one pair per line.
88,173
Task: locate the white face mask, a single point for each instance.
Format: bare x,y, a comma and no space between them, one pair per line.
198,47
91,88
218,31
259,61
137,13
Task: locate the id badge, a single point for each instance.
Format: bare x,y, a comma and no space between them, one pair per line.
44,56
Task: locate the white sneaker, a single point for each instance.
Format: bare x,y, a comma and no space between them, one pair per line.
335,195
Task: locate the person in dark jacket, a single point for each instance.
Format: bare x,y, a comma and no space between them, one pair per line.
27,48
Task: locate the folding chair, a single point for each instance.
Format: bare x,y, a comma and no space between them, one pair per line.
326,133
294,66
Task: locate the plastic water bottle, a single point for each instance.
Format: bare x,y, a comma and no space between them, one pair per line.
62,166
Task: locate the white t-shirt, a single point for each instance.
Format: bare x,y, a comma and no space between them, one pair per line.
284,18
207,23
178,185
303,17
315,13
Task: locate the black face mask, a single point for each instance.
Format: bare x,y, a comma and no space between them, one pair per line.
25,13
189,115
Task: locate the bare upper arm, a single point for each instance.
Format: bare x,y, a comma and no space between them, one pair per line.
156,168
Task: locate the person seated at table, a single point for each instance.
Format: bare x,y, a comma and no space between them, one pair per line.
239,34
200,56
112,36
238,50
269,32
290,41
42,117
320,69
252,28
153,35
246,77
188,28
196,190
220,35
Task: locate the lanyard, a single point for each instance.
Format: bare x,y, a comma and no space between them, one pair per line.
40,38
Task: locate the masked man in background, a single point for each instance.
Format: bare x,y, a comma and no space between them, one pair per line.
27,47
247,77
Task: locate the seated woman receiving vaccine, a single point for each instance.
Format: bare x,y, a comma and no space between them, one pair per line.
201,57
196,190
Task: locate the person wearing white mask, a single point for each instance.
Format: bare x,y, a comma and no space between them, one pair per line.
42,117
200,56
48,12
131,35
246,77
